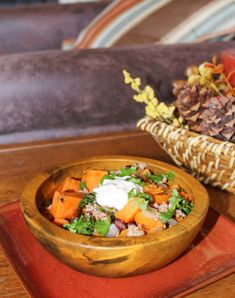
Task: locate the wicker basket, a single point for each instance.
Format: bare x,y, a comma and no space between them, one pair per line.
209,160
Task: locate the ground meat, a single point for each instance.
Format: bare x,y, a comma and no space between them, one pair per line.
134,231
141,166
94,210
155,205
164,180
172,222
179,213
163,207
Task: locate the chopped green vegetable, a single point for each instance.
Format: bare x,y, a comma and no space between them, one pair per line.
145,196
158,178
176,202
83,185
143,203
170,176
185,206
144,199
123,172
141,195
135,180
84,225
111,176
165,216
175,193
132,193
89,198
127,171
182,204
102,226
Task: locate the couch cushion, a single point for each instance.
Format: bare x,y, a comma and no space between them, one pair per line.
150,21
56,93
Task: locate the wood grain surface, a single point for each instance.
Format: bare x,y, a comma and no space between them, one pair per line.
19,163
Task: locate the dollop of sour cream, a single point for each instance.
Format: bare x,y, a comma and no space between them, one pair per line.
114,193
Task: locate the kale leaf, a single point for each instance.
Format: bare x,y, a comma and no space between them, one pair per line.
136,180
176,202
102,226
89,198
83,185
110,176
185,206
143,198
128,171
158,178
84,225
132,193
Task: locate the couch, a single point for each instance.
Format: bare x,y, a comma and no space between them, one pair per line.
43,26
48,93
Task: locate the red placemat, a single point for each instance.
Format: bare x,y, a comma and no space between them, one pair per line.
210,257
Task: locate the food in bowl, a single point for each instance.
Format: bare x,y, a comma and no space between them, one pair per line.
112,256
128,202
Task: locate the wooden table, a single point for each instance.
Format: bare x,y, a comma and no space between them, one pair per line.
19,163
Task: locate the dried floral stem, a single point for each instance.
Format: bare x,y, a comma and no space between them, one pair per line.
154,108
206,75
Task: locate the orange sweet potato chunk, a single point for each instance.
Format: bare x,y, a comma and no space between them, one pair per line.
92,178
157,193
128,212
70,184
60,221
160,198
123,233
65,205
148,221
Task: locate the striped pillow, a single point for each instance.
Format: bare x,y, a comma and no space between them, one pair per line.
126,22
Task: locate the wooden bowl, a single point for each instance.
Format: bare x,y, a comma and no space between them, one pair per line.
112,257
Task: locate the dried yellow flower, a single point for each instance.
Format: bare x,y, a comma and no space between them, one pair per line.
154,109
205,71
211,76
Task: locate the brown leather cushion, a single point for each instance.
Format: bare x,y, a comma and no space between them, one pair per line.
56,94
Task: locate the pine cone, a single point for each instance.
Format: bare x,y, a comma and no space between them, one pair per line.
205,112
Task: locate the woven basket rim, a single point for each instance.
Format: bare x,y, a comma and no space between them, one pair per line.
208,159
189,132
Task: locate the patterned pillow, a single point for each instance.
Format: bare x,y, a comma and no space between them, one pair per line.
126,22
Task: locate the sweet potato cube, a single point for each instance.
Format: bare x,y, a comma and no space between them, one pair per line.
56,206
60,221
160,198
148,221
123,233
70,184
65,205
92,178
128,212
157,193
